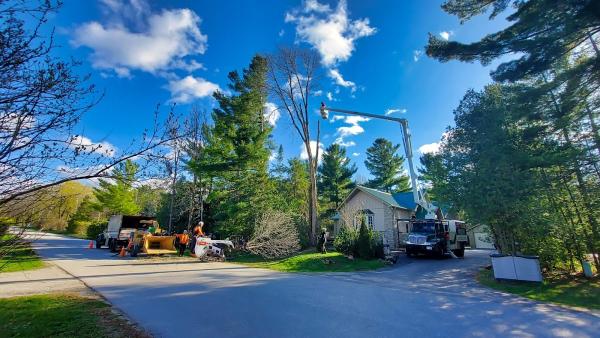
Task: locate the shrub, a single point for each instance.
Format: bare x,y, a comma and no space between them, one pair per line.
303,229
95,229
345,241
78,226
362,243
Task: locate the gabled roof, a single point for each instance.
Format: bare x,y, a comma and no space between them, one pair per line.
398,200
405,199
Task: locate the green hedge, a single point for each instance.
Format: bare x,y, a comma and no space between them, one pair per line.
94,230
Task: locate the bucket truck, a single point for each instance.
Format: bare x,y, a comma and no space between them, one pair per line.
432,234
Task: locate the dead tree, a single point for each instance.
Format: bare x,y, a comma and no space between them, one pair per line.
275,235
293,75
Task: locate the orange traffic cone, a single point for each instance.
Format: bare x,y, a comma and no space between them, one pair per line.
91,245
122,253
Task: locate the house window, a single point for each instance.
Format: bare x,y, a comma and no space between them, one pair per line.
365,215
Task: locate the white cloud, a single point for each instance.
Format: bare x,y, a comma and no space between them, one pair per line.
339,80
272,113
417,55
354,120
329,31
189,88
84,144
355,154
313,149
430,148
342,143
315,6
352,129
281,33
433,148
155,41
395,110
318,93
446,35
337,118
329,96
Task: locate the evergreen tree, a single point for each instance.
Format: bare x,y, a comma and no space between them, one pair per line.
335,176
118,197
386,167
541,32
433,174
237,151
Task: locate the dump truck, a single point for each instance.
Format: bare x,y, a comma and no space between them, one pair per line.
124,231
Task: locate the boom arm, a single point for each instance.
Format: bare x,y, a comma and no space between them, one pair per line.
418,196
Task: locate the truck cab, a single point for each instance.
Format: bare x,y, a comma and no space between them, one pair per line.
434,237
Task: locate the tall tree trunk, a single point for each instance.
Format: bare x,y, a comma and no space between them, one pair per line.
314,208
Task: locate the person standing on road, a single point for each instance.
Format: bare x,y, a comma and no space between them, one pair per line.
183,242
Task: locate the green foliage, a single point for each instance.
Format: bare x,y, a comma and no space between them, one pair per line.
540,32
95,229
236,153
345,241
362,242
118,197
78,227
334,177
386,167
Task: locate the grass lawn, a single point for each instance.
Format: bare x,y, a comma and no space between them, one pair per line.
19,258
309,261
60,315
575,292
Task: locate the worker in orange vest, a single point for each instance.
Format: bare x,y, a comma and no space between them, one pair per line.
183,240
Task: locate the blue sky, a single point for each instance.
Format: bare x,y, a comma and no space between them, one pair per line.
142,53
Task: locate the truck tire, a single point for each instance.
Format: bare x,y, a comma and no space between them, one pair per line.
98,244
134,251
439,251
112,245
409,253
459,252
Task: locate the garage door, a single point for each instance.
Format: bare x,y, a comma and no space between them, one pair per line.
483,241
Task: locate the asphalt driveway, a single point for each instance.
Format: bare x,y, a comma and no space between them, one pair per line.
415,298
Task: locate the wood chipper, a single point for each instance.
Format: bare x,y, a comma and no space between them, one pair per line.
142,241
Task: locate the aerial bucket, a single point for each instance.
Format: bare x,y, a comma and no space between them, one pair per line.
155,245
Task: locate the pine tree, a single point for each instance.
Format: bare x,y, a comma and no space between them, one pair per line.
118,197
541,32
335,176
237,152
386,167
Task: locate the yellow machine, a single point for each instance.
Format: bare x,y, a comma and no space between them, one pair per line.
156,245
152,244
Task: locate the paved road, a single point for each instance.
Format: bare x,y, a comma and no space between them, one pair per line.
415,298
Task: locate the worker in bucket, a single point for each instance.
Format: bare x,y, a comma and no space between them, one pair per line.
183,240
